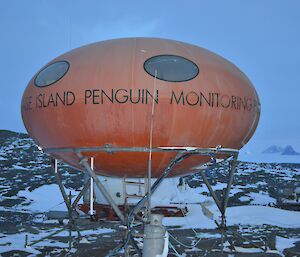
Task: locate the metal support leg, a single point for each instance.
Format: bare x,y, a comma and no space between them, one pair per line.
222,206
61,187
210,189
43,238
68,199
71,207
231,175
86,186
101,187
71,222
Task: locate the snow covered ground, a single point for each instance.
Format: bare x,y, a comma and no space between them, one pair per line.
28,189
9,242
44,198
39,200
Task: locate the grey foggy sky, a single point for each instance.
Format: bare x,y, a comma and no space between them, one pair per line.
261,37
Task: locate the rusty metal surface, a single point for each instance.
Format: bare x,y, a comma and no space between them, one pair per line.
116,67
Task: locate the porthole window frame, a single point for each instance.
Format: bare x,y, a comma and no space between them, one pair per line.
39,73
171,55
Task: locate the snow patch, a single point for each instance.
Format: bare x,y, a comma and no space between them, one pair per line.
259,215
284,243
45,198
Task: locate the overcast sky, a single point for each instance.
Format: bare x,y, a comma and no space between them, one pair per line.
262,37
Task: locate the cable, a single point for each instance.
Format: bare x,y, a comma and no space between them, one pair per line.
183,214
150,147
174,249
184,245
54,206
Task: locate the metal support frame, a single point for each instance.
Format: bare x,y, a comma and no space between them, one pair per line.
179,158
182,154
112,149
222,205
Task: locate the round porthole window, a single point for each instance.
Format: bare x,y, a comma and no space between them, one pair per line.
52,73
171,68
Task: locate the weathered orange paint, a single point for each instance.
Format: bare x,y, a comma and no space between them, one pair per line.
118,63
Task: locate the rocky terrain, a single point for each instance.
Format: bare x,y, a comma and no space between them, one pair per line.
26,175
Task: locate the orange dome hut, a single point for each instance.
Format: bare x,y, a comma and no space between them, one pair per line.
102,95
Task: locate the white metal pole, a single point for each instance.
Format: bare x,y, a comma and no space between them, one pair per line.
101,187
55,165
92,189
